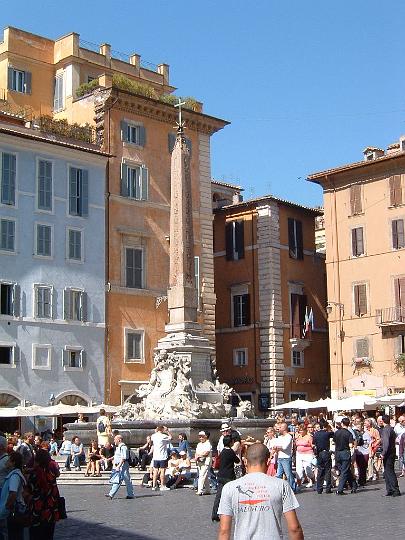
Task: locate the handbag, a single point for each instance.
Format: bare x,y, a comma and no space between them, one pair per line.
216,462
62,507
20,516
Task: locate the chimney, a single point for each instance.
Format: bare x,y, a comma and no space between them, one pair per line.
371,153
135,60
105,49
163,69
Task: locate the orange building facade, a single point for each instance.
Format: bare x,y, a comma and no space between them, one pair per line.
269,282
130,109
365,247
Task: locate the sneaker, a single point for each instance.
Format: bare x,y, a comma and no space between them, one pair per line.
164,488
128,497
154,488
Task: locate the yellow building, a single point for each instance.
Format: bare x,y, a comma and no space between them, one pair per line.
365,260
131,109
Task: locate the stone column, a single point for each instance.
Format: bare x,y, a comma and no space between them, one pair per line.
182,293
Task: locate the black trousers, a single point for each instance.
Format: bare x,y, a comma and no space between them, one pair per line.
391,481
324,471
344,463
221,483
44,531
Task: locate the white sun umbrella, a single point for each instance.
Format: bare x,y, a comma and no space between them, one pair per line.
8,412
319,404
31,410
351,403
108,408
296,404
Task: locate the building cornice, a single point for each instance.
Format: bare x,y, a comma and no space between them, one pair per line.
122,100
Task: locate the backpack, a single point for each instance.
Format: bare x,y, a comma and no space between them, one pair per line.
101,427
359,437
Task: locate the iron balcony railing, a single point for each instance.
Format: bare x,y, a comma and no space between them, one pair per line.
390,316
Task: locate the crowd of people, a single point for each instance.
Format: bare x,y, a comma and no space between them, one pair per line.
301,453
28,485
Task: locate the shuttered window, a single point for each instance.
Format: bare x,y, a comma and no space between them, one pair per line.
356,203
133,133
362,348
134,182
398,237
134,346
357,242
75,305
360,299
295,239
75,245
399,289
43,302
10,299
241,310
134,278
7,235
44,195
235,240
58,98
78,192
7,178
395,187
19,81
44,240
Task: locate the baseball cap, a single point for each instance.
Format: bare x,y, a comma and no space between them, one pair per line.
202,433
182,453
225,427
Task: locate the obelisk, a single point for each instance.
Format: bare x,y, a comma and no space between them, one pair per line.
184,343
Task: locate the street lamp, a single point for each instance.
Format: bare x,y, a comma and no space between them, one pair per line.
330,304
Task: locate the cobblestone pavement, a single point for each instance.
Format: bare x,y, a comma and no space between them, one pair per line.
182,515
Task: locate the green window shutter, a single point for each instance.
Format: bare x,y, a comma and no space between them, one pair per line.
10,71
300,241
138,268
144,183
16,294
8,171
142,136
27,82
73,192
229,240
84,195
83,306
124,180
124,131
239,238
67,311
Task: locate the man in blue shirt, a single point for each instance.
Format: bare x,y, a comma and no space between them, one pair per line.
120,471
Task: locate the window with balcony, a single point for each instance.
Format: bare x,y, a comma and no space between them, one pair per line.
298,305
360,299
357,242
356,202
134,182
234,239
295,239
395,187
398,237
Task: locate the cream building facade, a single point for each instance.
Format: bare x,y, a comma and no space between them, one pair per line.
365,261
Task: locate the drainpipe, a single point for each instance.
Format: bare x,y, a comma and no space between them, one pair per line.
254,303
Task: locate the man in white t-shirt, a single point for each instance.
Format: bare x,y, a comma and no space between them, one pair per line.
160,440
257,502
203,459
284,444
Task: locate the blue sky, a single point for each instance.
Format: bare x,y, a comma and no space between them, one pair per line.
306,84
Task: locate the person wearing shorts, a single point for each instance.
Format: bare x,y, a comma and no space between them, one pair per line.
160,440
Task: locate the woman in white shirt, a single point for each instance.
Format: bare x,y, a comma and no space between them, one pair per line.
203,458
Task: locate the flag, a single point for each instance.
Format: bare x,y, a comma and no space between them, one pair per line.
311,319
306,323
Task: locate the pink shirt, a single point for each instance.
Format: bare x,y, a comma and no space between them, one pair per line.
304,445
